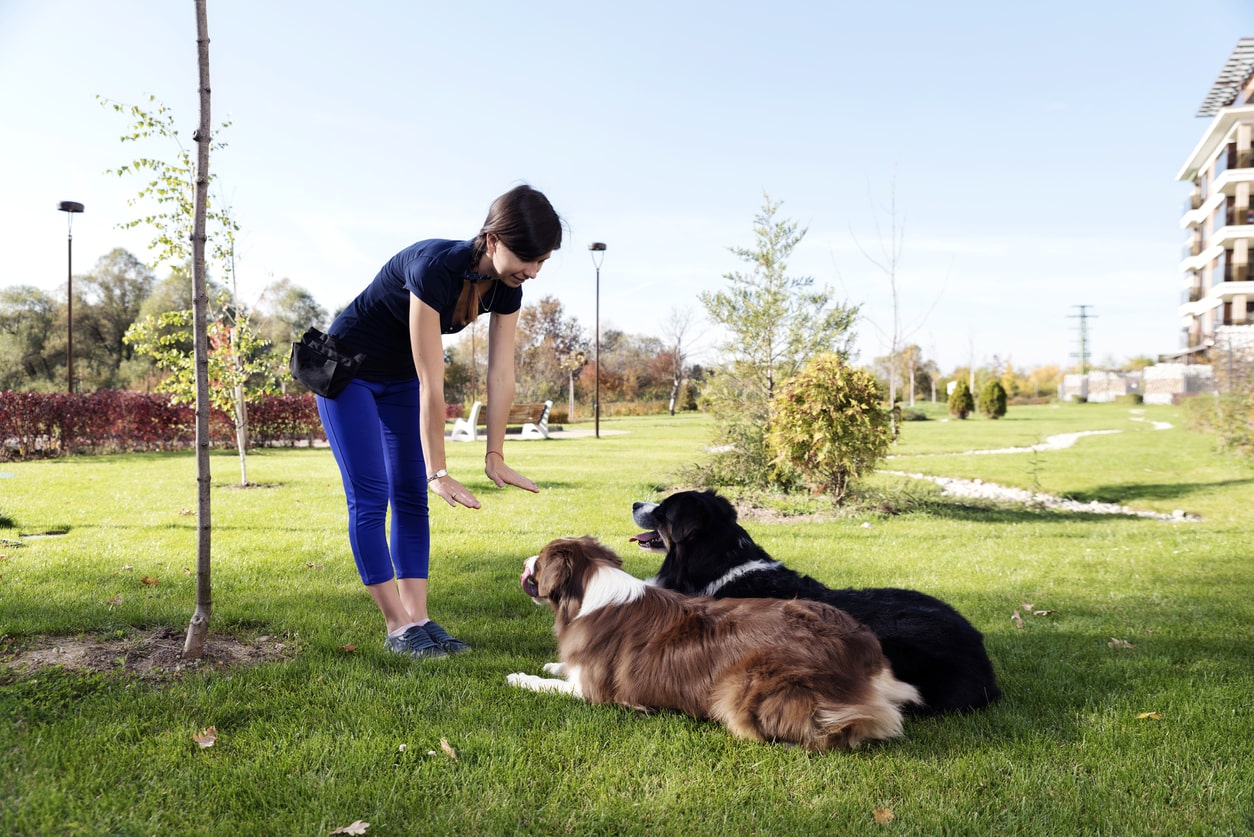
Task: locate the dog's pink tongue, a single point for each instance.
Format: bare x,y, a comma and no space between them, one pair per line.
643,537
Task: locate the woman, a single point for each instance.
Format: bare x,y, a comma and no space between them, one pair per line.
386,428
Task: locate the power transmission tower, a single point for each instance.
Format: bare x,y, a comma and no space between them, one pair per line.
1084,316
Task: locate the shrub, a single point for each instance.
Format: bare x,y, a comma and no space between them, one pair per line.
38,424
829,423
284,420
961,403
913,415
993,400
1229,416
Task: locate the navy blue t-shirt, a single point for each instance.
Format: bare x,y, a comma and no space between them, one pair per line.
437,272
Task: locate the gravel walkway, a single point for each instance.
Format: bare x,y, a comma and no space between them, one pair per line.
980,490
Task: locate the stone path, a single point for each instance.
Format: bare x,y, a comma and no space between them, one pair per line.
978,489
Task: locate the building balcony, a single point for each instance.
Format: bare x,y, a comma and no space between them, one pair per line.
1229,234
1194,302
1218,133
1226,183
1190,295
1224,187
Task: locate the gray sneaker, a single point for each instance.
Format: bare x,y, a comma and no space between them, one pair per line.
415,643
441,638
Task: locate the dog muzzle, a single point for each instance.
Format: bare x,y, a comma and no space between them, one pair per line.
528,578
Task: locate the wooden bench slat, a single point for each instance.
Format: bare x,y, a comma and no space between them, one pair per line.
534,418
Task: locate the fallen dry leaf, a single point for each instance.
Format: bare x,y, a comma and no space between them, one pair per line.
150,581
311,565
1152,715
116,600
356,827
448,749
1017,619
1044,612
883,816
187,571
126,567
184,512
348,648
402,748
1119,643
207,737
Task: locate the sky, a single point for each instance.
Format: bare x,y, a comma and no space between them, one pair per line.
1026,153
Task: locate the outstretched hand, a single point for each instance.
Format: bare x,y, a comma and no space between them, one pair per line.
501,474
453,492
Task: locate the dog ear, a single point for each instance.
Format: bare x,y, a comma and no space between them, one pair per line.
682,514
596,550
717,506
554,567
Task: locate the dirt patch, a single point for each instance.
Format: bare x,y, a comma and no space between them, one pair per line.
155,653
760,514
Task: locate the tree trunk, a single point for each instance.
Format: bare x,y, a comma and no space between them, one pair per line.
241,432
241,406
198,628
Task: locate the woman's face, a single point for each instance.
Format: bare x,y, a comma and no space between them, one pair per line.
509,268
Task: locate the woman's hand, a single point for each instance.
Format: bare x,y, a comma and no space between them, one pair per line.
453,492
501,474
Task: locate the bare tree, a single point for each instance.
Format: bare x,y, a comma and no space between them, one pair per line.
889,263
675,332
198,628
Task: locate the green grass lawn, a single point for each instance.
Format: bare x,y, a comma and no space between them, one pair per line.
329,736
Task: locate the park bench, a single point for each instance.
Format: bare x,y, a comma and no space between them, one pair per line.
533,419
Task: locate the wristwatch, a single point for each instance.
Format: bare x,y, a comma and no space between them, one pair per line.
436,476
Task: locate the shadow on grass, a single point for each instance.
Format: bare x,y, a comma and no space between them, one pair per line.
1132,492
1055,682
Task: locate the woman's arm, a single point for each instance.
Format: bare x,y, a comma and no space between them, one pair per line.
501,329
428,349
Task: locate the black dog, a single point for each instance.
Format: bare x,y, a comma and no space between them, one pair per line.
929,644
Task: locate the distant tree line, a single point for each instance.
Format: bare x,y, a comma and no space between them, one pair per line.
555,354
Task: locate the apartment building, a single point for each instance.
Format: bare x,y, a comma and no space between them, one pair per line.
1217,303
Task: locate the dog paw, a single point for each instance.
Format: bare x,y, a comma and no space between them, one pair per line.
518,679
556,669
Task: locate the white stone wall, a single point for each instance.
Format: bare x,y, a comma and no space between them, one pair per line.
1164,381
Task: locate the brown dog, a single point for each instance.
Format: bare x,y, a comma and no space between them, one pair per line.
771,670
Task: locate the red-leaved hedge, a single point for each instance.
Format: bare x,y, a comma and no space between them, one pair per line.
40,424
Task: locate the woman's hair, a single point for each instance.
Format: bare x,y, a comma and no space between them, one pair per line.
524,221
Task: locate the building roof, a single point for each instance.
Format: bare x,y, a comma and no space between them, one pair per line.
1237,69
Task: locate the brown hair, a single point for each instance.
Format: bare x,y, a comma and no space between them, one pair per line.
524,221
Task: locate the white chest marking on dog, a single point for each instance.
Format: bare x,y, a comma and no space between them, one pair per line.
736,572
610,586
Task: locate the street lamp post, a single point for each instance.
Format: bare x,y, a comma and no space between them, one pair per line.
598,255
69,208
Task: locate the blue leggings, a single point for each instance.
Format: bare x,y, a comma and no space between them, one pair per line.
372,428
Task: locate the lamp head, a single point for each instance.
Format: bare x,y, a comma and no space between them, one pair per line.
597,246
70,206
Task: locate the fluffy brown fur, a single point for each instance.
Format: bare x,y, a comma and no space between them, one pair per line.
771,670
